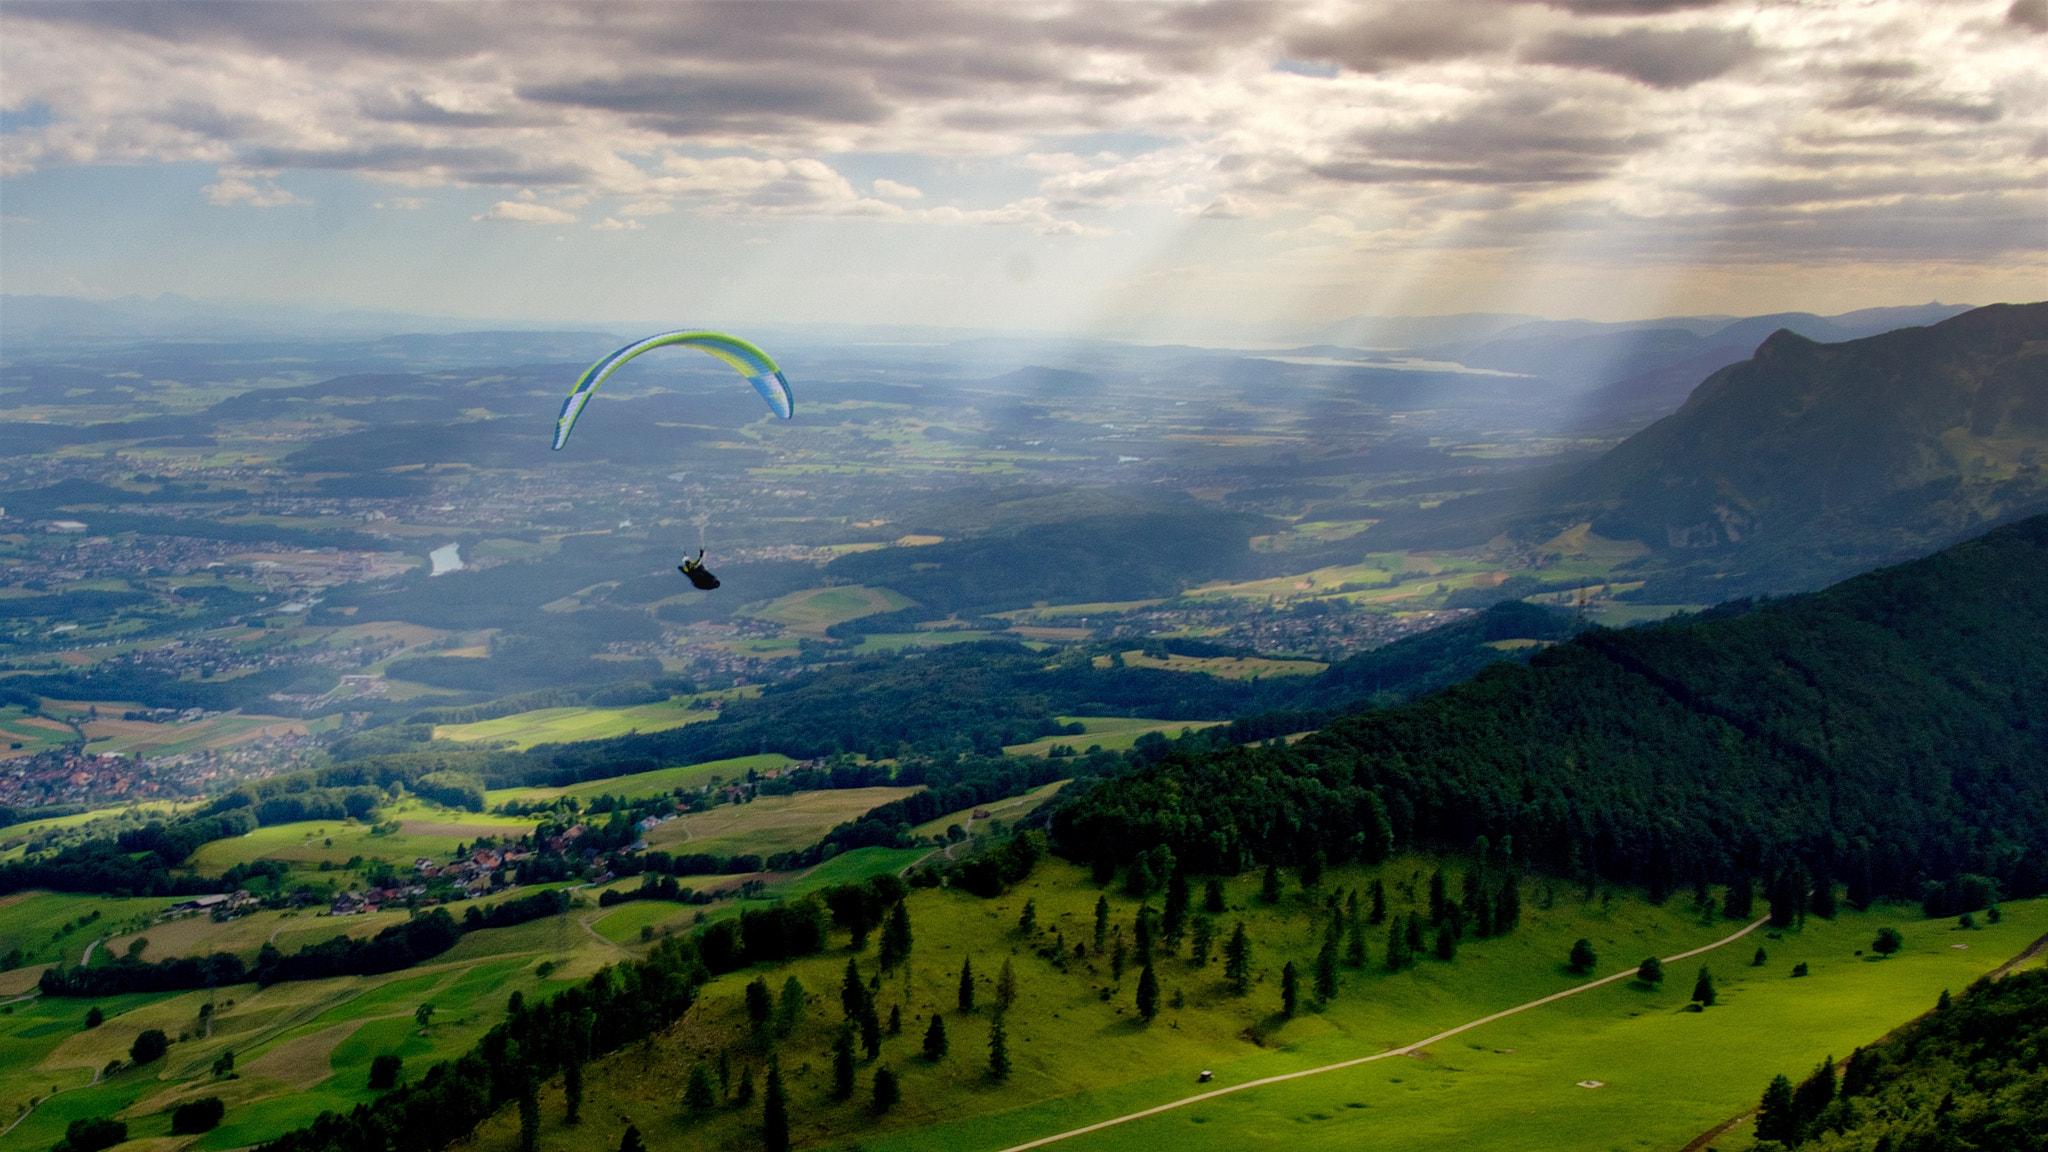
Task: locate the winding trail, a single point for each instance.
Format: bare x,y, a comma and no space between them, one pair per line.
1408,1050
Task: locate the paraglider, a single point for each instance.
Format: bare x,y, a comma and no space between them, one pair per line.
699,575
743,358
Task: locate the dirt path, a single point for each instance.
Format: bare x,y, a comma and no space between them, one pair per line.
1408,1050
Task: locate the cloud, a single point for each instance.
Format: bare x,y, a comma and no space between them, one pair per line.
1677,58
1407,33
1526,137
401,203
890,190
608,224
2029,14
526,212
239,189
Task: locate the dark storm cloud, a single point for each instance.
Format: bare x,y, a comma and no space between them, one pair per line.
1524,138
2029,14
1407,33
1662,59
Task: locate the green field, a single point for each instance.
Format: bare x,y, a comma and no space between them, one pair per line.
769,824
1111,733
813,610
33,733
36,922
562,725
1668,1073
659,782
424,830
1009,811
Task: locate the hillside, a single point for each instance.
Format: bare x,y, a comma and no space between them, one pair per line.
1887,732
1810,461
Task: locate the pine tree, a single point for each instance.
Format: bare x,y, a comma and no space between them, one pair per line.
1650,971
1777,1118
1237,961
896,940
1814,1093
1312,871
886,1092
1354,943
842,1063
1212,897
1447,942
1437,898
1101,921
1762,958
1741,899
998,1050
700,1095
529,1117
572,1091
1703,989
1507,911
789,1007
1269,889
870,1026
1290,990
1397,947
1379,903
744,1094
1326,969
1117,960
1006,986
760,1002
1415,939
1583,956
1028,922
935,1040
631,1142
1173,919
895,1019
1148,994
852,990
1888,941
967,985
1203,940
775,1114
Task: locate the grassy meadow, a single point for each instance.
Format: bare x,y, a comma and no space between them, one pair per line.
769,824
644,784
1111,733
1080,1057
562,725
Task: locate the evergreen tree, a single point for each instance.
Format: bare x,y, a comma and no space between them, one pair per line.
1148,994
1941,1003
870,1026
886,1092
1507,911
895,1019
935,1040
724,1071
1212,897
700,1095
1437,898
1117,960
1006,986
1888,941
1762,958
1703,989
1414,935
744,1094
1650,971
1447,942
1138,879
1822,903
1290,990
1144,930
967,985
998,1050
789,1007
852,990
895,947
1101,921
1326,969
1397,946
1237,961
1269,889
1354,943
1740,901
760,1002
1814,1093
1379,903
842,1063
1173,919
1480,909
631,1142
775,1114
1204,938
1028,922
1583,957
572,1091
1351,907
1312,871
1777,1118
529,1116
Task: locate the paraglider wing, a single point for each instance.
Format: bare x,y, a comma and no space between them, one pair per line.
743,358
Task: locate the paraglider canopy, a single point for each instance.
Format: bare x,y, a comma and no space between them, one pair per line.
743,357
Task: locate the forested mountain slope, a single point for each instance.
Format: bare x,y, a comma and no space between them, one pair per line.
1889,731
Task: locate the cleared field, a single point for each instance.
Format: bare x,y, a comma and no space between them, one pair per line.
1224,667
813,610
659,782
1009,811
33,734
562,725
152,739
771,823
896,641
36,922
1112,733
423,831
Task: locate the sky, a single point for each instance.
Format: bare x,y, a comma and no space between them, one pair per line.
1146,170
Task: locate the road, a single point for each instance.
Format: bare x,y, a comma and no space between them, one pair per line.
1407,1050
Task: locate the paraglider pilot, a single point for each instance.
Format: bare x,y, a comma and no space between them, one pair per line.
699,575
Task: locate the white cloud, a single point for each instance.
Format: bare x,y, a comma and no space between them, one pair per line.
609,224
401,203
239,189
526,212
889,189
